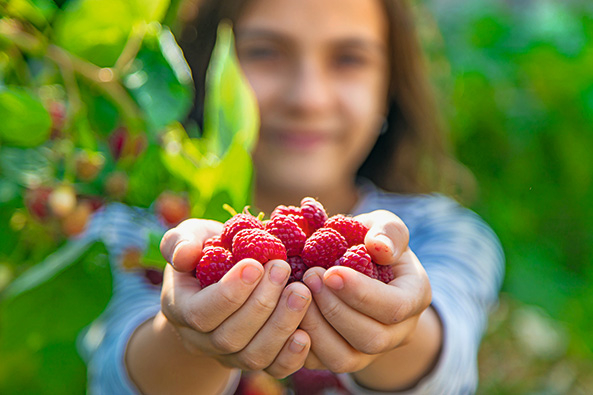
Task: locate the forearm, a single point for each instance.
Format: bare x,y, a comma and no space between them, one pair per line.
158,363
404,366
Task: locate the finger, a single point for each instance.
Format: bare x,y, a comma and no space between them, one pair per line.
313,363
285,320
292,356
240,328
406,296
387,237
263,349
330,348
361,331
205,309
182,245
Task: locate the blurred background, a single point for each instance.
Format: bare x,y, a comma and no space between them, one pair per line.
80,127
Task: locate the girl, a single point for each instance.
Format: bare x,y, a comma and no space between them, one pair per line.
346,116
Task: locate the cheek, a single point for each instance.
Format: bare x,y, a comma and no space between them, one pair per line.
364,110
364,100
265,86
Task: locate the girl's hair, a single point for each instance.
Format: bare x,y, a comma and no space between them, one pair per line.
411,155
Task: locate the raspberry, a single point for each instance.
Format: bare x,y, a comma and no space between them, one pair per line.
237,223
385,273
295,213
314,213
297,268
352,230
305,381
286,229
257,244
286,210
214,241
215,262
357,257
323,248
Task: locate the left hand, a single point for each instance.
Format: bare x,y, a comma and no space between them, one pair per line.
355,318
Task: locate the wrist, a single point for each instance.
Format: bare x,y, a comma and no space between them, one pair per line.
158,361
405,366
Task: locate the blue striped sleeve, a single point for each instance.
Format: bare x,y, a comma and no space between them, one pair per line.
465,264
102,345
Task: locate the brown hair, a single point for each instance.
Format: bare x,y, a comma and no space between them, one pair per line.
411,156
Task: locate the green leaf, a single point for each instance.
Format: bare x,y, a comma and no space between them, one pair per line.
27,166
218,166
49,268
210,177
230,109
149,177
102,114
25,122
97,30
161,81
40,324
152,255
82,132
38,12
150,10
9,190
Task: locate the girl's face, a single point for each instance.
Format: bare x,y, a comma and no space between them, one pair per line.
319,69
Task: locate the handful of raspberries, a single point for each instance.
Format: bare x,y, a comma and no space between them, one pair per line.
303,236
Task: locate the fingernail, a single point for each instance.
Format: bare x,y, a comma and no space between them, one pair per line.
278,274
250,274
296,346
297,302
385,244
335,281
313,282
176,251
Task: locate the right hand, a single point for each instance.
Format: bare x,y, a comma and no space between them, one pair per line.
248,320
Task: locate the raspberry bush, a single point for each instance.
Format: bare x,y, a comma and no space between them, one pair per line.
94,104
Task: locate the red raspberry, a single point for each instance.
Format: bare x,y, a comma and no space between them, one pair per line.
357,257
323,248
286,229
257,244
286,210
385,273
237,223
214,241
215,262
297,268
305,381
352,230
314,213
295,213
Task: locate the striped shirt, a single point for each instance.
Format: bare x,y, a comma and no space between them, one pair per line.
461,254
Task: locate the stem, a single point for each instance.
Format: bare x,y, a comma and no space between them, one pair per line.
104,78
127,56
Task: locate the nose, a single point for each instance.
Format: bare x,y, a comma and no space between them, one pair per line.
308,89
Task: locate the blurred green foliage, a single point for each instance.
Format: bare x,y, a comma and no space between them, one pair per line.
517,88
93,100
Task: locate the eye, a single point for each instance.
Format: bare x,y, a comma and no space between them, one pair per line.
260,52
350,60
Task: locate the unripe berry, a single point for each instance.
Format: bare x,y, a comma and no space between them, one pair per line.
77,220
172,208
62,200
116,185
